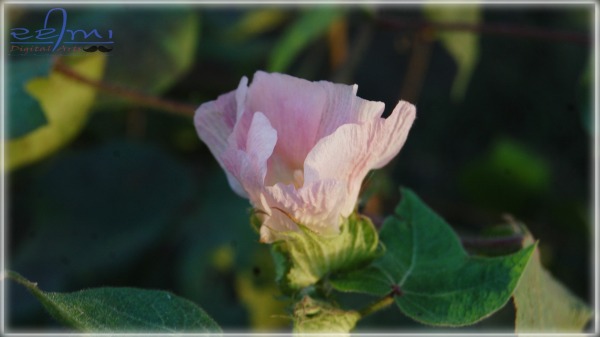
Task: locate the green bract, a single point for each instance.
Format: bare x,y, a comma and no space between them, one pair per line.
304,257
313,316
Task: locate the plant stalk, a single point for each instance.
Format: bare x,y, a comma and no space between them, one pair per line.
137,97
379,305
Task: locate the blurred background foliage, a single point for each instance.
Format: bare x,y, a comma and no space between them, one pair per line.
104,191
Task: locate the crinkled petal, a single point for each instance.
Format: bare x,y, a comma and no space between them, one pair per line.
274,225
344,107
353,150
397,126
318,205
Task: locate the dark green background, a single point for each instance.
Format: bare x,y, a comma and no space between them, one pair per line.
137,199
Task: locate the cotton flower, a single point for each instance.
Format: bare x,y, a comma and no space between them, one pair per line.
300,150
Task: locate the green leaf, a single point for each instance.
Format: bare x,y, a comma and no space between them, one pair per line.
98,210
308,27
122,310
462,46
24,113
66,104
544,305
313,316
433,278
303,258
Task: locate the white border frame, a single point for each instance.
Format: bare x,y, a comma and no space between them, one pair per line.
595,155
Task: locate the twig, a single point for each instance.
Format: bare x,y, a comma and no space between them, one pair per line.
382,303
128,94
489,28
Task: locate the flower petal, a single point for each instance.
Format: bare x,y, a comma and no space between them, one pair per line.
294,107
249,164
303,112
214,123
397,126
353,149
344,107
318,205
274,224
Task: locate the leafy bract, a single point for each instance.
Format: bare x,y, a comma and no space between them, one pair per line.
66,104
432,277
544,305
462,46
304,257
122,310
314,316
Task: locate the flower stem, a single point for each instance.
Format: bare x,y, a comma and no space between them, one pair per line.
137,97
379,305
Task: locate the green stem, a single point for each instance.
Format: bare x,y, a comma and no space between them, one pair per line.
11,275
379,305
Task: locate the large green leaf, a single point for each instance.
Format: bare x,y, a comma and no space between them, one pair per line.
98,210
122,310
304,257
24,113
66,104
433,279
462,46
309,26
545,305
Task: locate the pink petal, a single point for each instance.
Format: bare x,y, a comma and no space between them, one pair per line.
353,150
275,225
214,123
249,165
318,205
397,126
345,107
294,107
302,112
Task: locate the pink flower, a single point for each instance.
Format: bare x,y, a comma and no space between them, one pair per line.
300,150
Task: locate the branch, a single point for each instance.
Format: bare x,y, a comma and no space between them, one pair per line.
382,303
137,97
512,30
